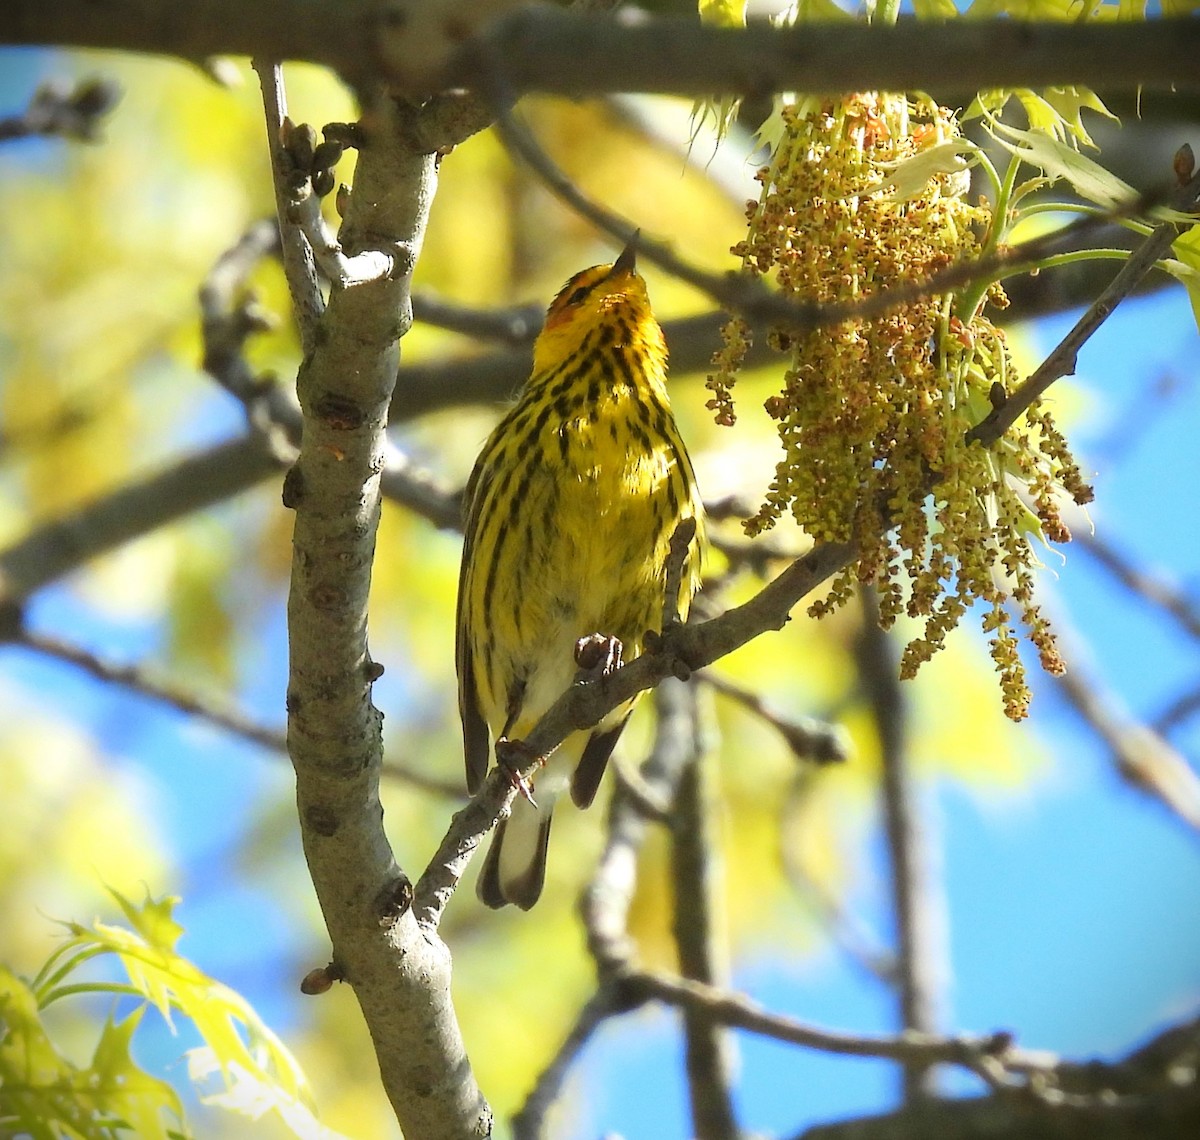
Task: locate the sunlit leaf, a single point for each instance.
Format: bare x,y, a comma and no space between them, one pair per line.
115,1096
149,1106
1070,103
248,1094
1059,160
910,177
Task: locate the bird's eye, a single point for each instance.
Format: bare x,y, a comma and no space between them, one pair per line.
578,295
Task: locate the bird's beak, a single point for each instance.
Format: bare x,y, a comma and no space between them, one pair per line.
627,262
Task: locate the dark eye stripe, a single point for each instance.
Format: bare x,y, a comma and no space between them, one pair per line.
575,290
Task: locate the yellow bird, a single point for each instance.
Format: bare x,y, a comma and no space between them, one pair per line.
570,512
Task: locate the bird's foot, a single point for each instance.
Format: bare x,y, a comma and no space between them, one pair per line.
511,756
598,655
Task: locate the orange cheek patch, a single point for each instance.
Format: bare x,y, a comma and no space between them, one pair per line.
556,318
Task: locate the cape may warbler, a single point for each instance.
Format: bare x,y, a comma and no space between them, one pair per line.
570,512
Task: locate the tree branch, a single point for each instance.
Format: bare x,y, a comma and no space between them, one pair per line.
755,301
530,1122
576,54
587,703
139,680
1139,753
994,1052
400,973
191,484
581,53
811,740
71,111
1154,589
299,262
1152,1094
1061,362
604,905
145,683
698,925
917,959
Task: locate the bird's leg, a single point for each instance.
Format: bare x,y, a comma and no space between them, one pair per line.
598,655
512,756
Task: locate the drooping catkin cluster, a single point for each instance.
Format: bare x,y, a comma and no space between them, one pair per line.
873,414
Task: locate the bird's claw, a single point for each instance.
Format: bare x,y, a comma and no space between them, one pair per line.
599,655
511,755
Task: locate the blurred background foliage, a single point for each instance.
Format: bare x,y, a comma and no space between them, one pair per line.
104,247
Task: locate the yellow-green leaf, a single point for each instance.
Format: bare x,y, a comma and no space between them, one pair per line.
910,177
1059,160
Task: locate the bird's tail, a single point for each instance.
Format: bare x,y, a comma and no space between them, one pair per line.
515,868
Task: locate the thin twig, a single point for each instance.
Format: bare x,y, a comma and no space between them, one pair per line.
752,299
298,265
755,554
144,683
741,1012
1178,711
1140,754
698,925
229,316
228,319
69,110
1154,589
139,680
918,953
491,377
529,1122
1061,362
677,553
809,739
516,325
604,905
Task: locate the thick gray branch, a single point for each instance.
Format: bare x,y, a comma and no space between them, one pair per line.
577,53
571,53
400,973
